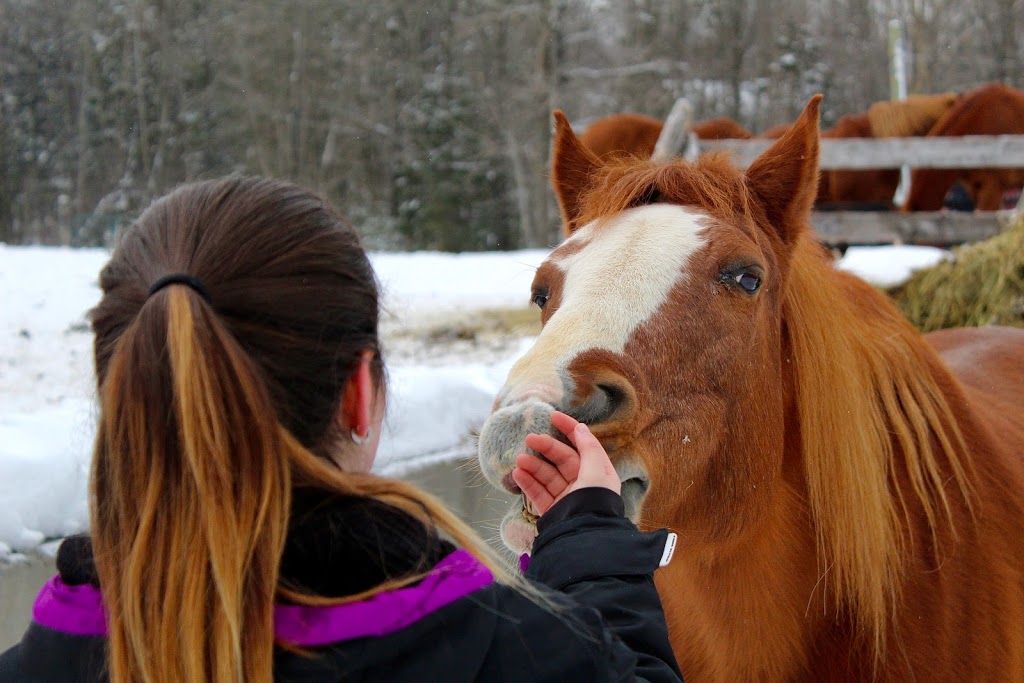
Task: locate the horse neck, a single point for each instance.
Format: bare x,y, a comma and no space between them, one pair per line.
871,403
742,611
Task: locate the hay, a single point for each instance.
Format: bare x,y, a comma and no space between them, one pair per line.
983,285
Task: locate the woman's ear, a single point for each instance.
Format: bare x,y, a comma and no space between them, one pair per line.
359,403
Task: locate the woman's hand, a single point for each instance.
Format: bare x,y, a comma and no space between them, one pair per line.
546,482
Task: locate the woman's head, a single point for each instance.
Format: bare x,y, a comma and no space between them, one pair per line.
287,279
221,389
238,360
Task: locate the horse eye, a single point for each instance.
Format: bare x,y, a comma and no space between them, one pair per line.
540,298
748,281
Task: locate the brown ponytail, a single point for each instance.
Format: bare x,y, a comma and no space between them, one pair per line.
193,499
211,412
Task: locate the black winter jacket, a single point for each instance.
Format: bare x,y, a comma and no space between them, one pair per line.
604,621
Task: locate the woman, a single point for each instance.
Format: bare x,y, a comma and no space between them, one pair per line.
237,533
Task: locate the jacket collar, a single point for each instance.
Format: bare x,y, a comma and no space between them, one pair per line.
335,547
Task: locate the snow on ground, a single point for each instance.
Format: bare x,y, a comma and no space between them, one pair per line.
890,265
438,393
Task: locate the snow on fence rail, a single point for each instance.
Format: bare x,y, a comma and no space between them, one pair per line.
968,151
875,227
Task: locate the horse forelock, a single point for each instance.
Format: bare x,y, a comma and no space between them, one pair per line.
872,414
711,184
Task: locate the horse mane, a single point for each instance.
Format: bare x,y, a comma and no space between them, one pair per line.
910,117
871,408
871,412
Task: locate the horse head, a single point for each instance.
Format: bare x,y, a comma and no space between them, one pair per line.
661,330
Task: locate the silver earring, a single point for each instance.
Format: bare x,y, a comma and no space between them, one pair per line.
362,440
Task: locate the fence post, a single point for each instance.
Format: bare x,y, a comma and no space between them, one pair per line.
675,130
898,91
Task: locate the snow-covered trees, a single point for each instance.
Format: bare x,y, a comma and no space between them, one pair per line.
427,122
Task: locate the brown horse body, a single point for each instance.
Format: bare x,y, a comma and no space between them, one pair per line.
992,109
775,132
849,495
637,134
912,117
873,186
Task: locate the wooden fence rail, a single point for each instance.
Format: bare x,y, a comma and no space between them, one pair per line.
894,227
876,227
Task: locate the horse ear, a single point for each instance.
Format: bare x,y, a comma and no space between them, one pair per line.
572,166
784,178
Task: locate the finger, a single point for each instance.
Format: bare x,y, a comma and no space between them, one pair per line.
596,467
533,490
561,455
544,472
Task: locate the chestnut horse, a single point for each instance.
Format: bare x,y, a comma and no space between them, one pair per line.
992,109
849,495
912,117
775,132
637,134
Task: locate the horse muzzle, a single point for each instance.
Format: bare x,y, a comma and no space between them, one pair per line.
503,437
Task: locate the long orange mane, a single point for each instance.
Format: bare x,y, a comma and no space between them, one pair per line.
871,413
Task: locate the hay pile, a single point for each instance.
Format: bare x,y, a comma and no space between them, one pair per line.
984,285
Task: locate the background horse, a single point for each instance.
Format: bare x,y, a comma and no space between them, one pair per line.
911,117
992,109
849,495
637,134
775,132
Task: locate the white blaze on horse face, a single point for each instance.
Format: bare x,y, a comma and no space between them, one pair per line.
616,281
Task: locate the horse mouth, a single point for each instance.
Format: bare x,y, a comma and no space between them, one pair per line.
529,511
519,527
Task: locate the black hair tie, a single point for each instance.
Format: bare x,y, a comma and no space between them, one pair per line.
181,279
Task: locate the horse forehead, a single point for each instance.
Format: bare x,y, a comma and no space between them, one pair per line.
617,272
652,242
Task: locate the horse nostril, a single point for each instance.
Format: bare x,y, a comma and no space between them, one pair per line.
608,401
615,396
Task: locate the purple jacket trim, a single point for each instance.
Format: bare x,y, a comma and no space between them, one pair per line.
454,577
78,610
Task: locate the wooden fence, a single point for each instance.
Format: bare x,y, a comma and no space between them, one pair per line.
876,227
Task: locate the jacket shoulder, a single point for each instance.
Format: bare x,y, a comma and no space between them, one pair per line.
45,655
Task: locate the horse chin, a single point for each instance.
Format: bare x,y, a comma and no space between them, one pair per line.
518,532
634,490
635,484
